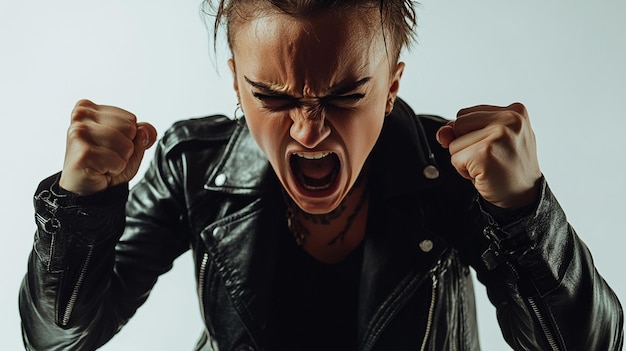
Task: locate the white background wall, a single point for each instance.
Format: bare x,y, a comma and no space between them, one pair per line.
565,59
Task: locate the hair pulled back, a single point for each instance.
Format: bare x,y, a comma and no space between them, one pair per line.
397,17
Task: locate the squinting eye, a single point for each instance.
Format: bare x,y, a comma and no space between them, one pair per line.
343,100
352,97
273,102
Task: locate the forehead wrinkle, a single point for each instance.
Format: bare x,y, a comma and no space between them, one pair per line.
359,60
273,41
301,45
295,51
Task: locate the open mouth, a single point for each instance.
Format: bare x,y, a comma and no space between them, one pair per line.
315,171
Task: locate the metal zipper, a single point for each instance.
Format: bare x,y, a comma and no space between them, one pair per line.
489,232
79,282
201,273
431,308
491,257
206,339
544,325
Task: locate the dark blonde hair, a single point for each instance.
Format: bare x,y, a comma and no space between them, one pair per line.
397,17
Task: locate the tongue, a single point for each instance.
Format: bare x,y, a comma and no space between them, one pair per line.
316,169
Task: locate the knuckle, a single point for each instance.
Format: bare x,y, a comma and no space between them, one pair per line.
128,128
120,114
511,120
457,162
123,121
85,103
132,117
518,107
499,131
82,113
77,131
128,149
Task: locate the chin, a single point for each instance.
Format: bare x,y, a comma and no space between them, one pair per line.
320,206
317,201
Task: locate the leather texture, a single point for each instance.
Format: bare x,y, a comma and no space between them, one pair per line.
210,189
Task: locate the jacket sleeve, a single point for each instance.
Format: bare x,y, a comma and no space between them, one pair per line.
541,278
96,258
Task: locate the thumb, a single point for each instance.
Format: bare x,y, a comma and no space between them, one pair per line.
146,136
144,139
445,135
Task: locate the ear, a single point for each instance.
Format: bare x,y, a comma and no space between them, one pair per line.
233,70
394,87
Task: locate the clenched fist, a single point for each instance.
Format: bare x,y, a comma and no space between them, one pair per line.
495,148
105,146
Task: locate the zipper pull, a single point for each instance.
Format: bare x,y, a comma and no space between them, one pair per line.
491,257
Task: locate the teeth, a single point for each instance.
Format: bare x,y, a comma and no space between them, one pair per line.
312,155
321,187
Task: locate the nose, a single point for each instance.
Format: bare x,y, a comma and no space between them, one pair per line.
309,127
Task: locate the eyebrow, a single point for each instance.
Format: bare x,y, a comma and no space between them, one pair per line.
336,90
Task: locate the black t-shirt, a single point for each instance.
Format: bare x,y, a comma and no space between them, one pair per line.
314,304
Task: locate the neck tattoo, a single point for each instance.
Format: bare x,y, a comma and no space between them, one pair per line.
300,232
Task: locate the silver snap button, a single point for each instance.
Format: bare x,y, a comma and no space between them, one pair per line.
431,172
218,233
220,179
426,245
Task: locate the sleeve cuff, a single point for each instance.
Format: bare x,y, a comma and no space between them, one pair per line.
64,198
506,216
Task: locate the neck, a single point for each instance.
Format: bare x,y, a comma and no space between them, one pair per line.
331,237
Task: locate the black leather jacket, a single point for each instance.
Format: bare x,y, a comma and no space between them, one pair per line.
209,188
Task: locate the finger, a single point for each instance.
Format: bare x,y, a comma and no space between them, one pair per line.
516,106
144,139
476,162
474,121
85,103
494,134
86,111
137,156
462,155
99,136
460,165
479,108
95,160
478,120
141,143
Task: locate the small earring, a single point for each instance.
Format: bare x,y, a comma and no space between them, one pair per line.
239,111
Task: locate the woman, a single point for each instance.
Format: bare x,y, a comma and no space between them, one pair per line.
330,217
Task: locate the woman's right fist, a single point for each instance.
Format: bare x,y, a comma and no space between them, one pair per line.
105,146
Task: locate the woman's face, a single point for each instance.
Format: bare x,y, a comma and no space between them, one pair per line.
315,92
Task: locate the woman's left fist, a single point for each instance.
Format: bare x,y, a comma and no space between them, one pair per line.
495,148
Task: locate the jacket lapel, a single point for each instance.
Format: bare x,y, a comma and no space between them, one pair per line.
399,250
242,168
245,247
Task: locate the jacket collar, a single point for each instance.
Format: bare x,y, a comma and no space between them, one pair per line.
402,159
242,168
404,162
